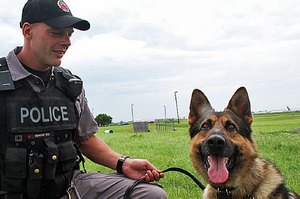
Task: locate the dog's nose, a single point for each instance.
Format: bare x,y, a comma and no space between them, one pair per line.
216,141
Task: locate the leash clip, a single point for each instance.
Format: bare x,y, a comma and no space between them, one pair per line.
227,192
224,194
250,196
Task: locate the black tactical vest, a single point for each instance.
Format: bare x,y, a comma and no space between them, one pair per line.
36,136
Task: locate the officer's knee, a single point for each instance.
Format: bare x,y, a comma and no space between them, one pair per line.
144,190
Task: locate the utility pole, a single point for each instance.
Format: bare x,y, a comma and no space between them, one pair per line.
165,117
176,105
132,113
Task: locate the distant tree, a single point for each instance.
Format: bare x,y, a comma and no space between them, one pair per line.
103,119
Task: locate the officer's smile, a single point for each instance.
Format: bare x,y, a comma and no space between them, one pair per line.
60,53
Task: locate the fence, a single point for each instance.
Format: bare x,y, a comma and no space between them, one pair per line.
140,127
164,125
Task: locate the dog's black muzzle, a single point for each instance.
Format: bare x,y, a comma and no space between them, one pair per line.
216,143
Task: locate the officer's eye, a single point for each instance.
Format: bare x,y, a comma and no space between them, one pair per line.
56,33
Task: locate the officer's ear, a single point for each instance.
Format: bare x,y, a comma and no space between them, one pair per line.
27,29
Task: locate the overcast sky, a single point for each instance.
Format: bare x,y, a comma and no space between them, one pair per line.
140,52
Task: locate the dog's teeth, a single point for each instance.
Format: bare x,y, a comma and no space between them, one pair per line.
208,160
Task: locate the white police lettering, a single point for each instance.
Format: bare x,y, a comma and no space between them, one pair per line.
64,113
43,115
37,115
24,113
53,112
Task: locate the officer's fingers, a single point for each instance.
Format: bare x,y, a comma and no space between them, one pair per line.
151,175
156,175
147,178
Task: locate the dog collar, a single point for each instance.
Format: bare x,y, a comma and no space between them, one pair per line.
226,194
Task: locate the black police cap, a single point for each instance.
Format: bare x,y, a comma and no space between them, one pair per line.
54,13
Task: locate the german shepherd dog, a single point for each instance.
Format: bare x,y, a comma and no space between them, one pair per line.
224,153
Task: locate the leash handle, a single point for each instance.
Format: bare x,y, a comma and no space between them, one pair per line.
134,184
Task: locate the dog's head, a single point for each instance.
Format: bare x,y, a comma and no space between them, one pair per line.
221,142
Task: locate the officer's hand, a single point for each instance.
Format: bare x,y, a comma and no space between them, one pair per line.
138,168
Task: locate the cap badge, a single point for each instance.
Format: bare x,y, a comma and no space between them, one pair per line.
62,5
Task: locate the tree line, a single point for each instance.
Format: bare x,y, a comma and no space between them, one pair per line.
103,119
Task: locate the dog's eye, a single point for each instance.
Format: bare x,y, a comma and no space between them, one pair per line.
205,126
231,127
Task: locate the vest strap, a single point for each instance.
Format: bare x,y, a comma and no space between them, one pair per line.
6,82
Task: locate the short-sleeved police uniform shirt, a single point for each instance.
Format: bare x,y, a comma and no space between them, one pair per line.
87,126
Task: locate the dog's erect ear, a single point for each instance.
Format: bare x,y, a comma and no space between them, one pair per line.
240,105
198,106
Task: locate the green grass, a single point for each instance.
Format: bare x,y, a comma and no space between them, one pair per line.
171,149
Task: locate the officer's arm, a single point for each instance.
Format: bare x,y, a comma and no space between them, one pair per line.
99,152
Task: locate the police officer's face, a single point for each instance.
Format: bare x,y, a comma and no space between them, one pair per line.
50,44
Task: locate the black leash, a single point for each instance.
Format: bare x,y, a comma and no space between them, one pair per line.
131,187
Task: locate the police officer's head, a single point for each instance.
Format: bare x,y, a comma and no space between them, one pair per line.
54,13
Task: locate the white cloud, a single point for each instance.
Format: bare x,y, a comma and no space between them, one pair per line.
105,47
140,52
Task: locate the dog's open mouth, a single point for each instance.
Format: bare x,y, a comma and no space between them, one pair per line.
218,167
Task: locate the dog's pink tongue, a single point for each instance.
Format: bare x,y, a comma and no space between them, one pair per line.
218,172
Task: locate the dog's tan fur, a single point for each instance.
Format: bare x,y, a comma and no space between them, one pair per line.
250,176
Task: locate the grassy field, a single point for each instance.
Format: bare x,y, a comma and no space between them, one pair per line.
171,149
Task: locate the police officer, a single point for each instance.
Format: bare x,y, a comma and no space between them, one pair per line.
45,122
